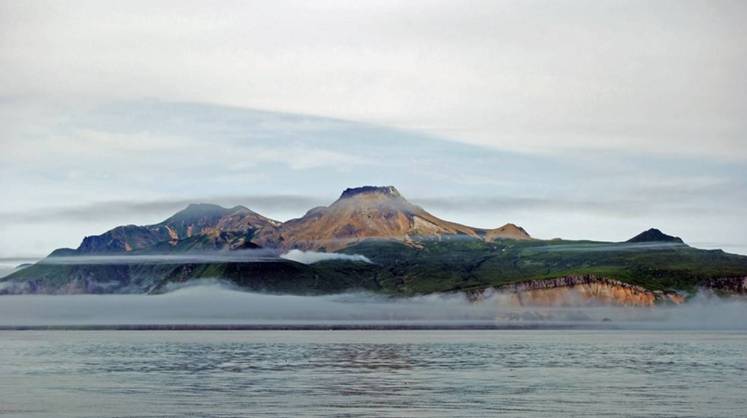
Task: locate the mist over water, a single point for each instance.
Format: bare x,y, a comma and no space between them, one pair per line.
209,302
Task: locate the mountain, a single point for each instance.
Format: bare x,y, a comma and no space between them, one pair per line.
373,212
199,226
654,235
379,242
367,212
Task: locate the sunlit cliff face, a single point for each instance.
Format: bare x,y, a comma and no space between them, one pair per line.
585,294
585,291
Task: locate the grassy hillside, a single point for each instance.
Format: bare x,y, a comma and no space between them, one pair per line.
467,264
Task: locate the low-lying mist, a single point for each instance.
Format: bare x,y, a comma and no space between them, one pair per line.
10,265
606,247
212,302
310,257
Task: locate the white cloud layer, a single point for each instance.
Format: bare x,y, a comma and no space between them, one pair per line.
538,76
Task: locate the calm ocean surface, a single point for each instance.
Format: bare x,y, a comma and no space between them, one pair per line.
372,373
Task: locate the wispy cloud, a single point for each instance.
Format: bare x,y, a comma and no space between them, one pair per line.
637,203
311,257
111,210
198,257
596,247
239,256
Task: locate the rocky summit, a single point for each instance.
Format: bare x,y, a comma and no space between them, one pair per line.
370,212
654,235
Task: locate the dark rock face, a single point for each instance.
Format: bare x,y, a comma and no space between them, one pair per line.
568,281
730,285
199,226
124,239
386,190
654,235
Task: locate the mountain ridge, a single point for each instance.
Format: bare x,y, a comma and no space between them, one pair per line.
366,212
347,220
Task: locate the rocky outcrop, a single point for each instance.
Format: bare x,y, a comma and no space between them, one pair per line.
124,239
728,285
508,231
584,290
655,235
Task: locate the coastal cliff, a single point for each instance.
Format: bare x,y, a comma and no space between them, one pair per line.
584,290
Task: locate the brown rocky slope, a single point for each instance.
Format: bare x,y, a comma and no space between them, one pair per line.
377,212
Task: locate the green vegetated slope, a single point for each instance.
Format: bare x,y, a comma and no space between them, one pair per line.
423,267
459,264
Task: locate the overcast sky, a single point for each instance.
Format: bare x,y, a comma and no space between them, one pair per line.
577,119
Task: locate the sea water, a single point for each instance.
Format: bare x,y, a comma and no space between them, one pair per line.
523,373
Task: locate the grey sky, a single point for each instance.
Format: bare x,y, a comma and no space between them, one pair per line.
574,118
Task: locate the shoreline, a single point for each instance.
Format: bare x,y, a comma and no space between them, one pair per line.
313,327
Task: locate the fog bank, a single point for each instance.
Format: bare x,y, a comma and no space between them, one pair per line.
210,302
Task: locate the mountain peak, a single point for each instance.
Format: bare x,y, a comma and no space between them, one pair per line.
375,212
196,211
654,235
382,190
203,208
507,231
